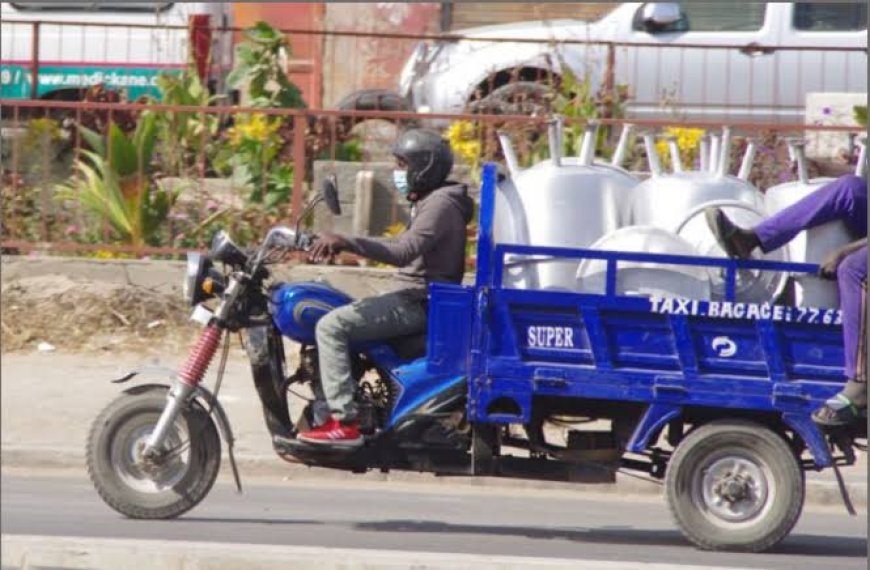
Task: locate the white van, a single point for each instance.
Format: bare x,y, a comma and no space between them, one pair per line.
124,45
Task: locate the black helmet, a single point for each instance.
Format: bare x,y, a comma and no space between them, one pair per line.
428,157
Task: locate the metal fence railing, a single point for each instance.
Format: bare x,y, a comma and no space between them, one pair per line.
161,191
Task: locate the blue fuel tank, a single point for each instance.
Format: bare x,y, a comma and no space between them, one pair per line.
296,307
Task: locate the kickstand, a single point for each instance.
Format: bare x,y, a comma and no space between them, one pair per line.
844,492
835,441
234,468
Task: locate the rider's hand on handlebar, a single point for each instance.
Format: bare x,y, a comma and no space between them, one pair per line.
327,246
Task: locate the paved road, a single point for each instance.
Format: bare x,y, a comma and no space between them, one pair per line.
406,517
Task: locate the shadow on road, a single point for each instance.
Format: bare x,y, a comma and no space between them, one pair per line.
803,545
229,520
817,545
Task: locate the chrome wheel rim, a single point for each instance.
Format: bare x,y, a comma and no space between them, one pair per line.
733,489
147,476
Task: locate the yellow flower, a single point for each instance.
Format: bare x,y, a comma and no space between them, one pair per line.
687,143
464,142
257,126
234,136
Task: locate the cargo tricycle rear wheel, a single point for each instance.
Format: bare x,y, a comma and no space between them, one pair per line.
734,485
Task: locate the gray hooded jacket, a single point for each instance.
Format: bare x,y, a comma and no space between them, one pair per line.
433,246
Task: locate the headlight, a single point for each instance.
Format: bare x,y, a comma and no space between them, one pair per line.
192,277
201,280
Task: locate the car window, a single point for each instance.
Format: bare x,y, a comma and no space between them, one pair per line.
715,17
834,17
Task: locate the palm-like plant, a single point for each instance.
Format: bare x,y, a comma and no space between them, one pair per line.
114,182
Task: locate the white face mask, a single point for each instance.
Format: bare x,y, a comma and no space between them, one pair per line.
400,179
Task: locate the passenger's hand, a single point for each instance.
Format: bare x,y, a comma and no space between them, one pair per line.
828,267
327,246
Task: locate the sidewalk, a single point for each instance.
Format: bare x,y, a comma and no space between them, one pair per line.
50,399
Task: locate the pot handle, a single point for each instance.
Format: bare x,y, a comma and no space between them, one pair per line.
783,279
716,204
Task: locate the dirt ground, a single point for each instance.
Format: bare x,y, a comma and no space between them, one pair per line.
57,312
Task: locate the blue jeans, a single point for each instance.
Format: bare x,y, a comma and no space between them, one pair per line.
401,313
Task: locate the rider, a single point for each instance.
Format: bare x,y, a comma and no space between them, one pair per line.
432,249
842,199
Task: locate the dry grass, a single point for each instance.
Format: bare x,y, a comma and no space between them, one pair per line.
88,316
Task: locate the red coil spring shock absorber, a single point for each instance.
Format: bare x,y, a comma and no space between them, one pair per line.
200,356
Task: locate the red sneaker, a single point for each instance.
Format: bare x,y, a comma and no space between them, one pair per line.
334,433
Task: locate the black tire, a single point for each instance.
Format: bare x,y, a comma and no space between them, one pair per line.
120,481
373,100
761,514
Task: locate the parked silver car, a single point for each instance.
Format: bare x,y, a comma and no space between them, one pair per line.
724,60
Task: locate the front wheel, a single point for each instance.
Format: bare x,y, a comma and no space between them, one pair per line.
734,485
162,487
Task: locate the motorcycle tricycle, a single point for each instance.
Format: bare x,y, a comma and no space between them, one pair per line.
713,397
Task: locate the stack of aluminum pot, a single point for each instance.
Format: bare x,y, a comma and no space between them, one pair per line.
687,194
580,202
561,202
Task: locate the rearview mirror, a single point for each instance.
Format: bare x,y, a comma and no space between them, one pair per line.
224,250
329,192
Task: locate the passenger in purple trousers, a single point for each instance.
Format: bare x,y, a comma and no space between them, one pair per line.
842,199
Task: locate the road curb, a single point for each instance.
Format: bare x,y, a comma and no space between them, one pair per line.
818,492
24,552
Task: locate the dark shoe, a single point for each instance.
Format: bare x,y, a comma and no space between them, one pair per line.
737,242
836,412
335,434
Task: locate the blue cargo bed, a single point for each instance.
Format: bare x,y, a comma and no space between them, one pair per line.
667,353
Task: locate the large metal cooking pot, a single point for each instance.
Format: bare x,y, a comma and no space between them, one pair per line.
561,202
751,285
663,200
814,244
676,202
642,278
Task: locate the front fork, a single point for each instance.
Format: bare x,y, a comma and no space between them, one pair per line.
186,382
